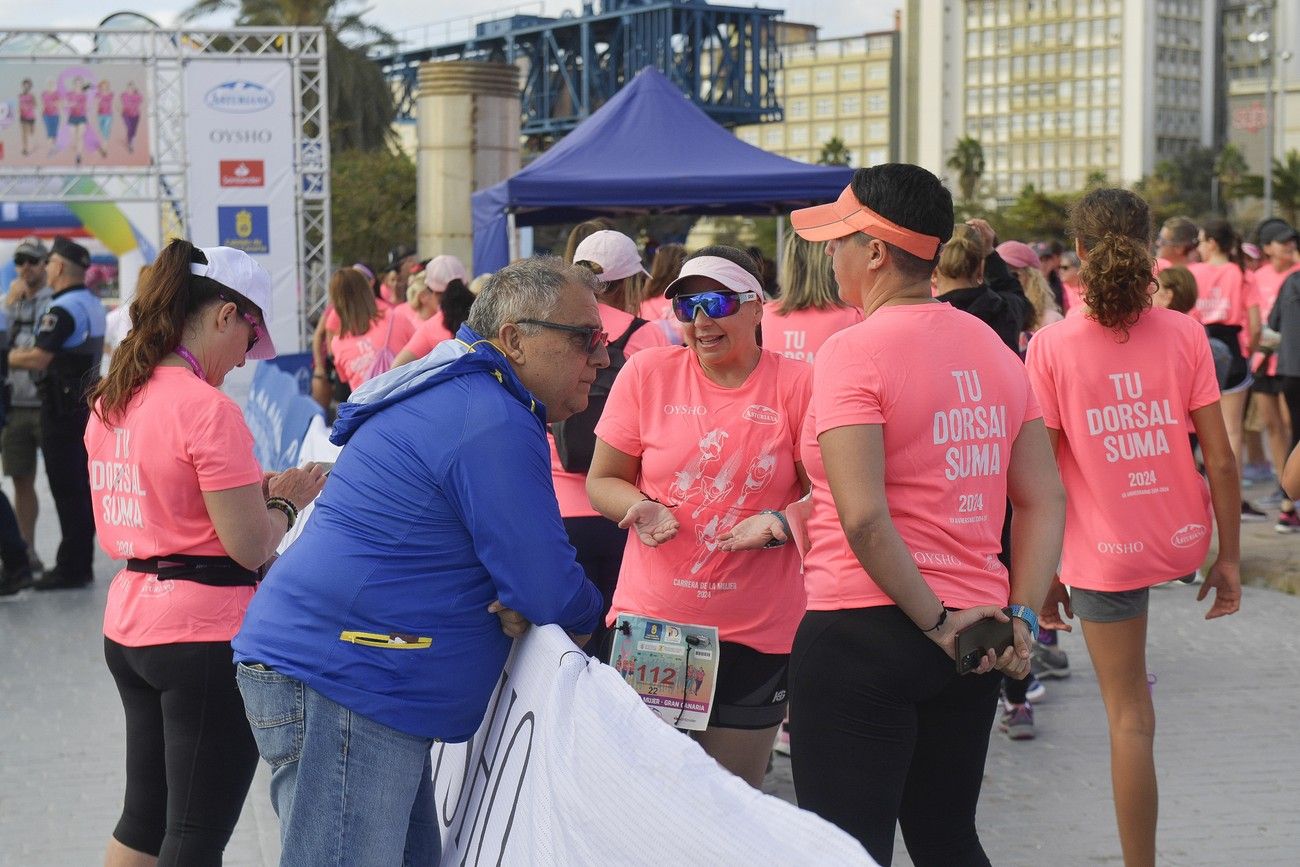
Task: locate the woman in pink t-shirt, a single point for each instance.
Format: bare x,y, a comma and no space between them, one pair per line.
692,441
1227,305
809,309
370,336
180,497
444,306
665,267
51,102
1278,240
104,113
921,426
27,113
131,100
1118,387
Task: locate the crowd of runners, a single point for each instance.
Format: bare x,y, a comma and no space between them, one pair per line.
881,476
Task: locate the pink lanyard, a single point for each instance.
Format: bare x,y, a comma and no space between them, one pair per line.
193,362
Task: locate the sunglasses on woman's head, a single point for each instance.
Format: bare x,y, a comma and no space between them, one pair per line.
715,305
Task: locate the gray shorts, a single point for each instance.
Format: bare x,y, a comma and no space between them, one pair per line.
1109,606
20,440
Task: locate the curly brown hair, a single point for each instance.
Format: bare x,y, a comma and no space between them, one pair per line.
1114,227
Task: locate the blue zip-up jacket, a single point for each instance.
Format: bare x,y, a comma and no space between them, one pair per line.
440,502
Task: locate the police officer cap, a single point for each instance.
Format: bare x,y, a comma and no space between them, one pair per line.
71,250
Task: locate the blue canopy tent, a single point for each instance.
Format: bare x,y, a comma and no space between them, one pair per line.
647,150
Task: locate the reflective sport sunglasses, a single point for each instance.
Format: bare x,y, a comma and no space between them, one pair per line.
249,318
715,305
592,338
20,261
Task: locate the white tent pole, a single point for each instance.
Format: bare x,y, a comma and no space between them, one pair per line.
512,237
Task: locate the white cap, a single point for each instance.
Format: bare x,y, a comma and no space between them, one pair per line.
441,270
614,252
237,271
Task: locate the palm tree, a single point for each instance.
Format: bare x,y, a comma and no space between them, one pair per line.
967,161
834,153
1286,185
361,109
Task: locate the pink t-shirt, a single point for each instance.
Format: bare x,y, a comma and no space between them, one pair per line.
571,488
50,102
410,314
1137,512
76,104
131,100
1073,295
951,399
104,101
355,355
1268,283
427,334
717,456
1223,296
799,335
27,106
660,312
177,438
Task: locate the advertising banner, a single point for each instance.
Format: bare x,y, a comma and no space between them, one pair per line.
569,767
239,129
74,112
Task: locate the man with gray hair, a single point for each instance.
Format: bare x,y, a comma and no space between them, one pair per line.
385,627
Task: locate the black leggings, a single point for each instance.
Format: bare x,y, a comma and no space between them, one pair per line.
883,730
599,543
190,755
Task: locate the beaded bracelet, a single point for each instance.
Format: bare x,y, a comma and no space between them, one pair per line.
280,504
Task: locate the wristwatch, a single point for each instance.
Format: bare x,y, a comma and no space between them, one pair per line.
1025,613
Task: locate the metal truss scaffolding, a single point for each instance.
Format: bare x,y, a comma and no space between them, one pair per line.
724,58
165,53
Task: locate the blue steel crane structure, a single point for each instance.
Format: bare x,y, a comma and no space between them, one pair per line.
724,58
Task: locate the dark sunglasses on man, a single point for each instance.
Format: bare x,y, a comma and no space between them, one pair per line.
592,338
715,305
20,261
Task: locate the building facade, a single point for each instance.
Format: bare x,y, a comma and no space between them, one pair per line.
835,88
1057,91
1259,40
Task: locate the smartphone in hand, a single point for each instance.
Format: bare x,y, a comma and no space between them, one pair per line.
976,640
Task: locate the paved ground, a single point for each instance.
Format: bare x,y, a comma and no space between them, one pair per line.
1228,700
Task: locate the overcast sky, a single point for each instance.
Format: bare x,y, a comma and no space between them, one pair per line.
835,17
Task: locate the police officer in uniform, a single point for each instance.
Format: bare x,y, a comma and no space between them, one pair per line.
69,345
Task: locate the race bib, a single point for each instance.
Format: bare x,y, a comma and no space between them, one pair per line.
672,666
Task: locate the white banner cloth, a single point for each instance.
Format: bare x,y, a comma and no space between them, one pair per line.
569,767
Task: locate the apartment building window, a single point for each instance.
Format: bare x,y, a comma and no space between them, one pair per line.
823,133
1032,122
850,74
851,132
853,47
1065,60
1049,65
850,104
824,106
799,78
1065,91
799,136
749,136
1034,65
877,72
1049,121
880,44
987,39
824,75
876,102
1049,34
972,43
1004,98
1034,35
876,130
773,138
1018,38
1017,67
876,156
1067,32
798,109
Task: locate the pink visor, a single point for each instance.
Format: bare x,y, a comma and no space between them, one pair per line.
728,273
847,215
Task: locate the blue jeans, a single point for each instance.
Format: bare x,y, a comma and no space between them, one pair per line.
347,790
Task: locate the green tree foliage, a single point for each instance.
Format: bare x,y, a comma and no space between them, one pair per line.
361,109
835,153
1286,186
372,204
967,160
1034,215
